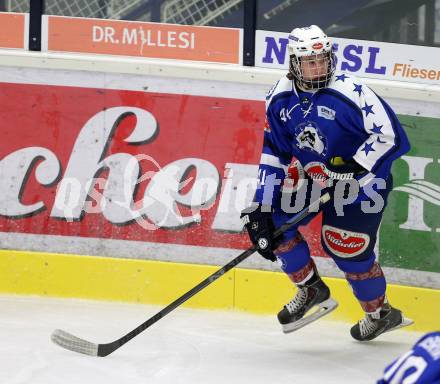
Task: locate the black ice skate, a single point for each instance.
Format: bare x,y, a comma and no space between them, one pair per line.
294,314
374,324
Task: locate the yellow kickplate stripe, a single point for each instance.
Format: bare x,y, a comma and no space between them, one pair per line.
267,292
156,282
103,278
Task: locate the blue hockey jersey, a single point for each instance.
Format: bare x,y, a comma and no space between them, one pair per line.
345,119
421,365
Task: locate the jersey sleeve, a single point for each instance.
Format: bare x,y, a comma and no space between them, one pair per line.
275,158
372,119
386,140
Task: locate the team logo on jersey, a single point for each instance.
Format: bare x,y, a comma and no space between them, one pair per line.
326,112
309,137
344,243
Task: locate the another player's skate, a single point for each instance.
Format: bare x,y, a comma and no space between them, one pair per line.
374,324
294,314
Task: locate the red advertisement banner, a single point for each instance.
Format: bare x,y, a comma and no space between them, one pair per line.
129,165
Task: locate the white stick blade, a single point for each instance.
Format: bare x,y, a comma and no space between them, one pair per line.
73,343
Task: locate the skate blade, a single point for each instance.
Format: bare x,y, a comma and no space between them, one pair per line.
323,309
405,323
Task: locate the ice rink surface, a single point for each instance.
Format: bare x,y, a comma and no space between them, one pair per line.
187,346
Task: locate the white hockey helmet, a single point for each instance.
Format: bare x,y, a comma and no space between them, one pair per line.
310,44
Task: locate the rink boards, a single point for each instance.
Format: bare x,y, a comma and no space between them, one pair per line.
155,282
67,118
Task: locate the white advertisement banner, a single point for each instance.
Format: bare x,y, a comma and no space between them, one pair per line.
386,61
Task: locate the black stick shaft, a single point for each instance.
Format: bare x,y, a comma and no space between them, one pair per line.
106,349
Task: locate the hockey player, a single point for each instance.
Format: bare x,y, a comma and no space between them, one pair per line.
421,365
339,131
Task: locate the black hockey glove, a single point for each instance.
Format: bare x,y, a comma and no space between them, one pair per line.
339,169
258,221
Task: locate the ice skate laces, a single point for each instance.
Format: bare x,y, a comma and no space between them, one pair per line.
368,324
298,301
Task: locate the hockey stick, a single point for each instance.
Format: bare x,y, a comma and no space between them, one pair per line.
73,343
